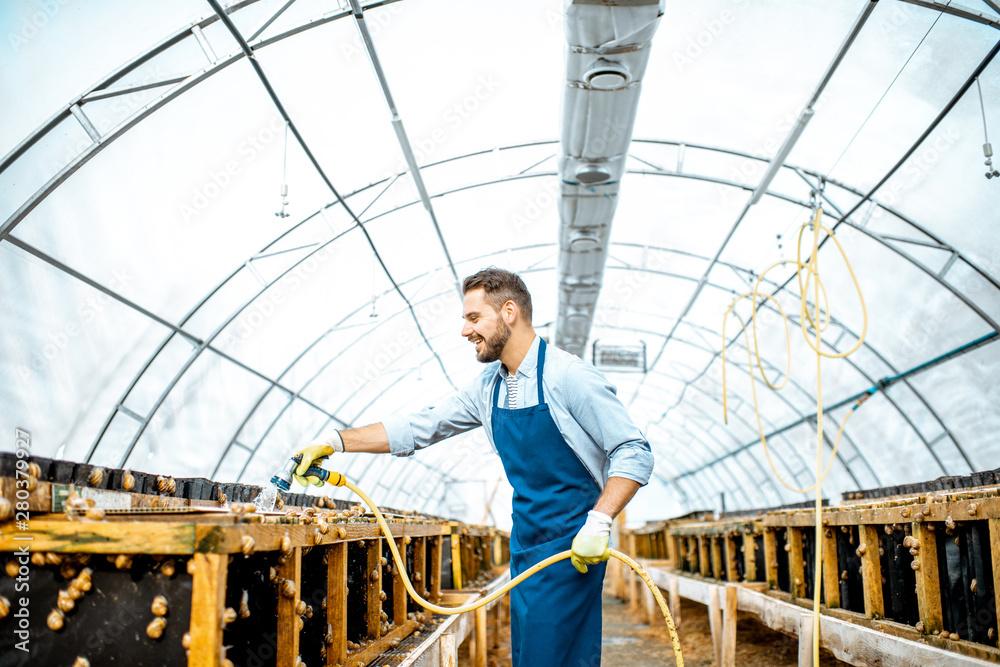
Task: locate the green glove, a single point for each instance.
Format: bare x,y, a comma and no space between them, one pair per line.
314,454
591,545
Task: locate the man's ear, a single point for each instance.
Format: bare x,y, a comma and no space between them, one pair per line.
510,312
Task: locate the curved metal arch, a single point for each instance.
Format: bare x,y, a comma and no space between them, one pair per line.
179,86
767,478
707,434
857,367
690,384
719,181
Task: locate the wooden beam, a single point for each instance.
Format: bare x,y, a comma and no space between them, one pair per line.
871,571
208,600
831,569
928,579
715,622
995,553
771,558
456,557
806,641
399,595
434,555
336,603
419,580
495,628
675,601
373,587
796,563
732,574
716,547
729,627
750,556
479,659
704,556
288,617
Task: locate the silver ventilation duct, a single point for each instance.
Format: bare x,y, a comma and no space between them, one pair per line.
608,45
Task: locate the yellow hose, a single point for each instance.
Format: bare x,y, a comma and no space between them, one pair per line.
819,325
337,479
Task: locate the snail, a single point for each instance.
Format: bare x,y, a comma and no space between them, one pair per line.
159,606
155,628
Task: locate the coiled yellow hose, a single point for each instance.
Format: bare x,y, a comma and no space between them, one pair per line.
337,479
816,321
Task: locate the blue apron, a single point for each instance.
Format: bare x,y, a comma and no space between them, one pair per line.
556,614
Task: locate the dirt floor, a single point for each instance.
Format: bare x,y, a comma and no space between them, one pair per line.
630,642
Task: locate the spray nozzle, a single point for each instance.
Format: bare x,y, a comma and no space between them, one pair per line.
283,478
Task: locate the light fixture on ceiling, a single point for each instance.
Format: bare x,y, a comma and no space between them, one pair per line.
607,75
591,174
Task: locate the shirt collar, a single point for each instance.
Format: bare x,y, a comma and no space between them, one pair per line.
528,365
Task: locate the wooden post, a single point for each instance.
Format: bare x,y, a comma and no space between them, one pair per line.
732,574
680,552
288,627
669,547
750,556
995,553
449,650
434,545
831,569
716,546
399,595
420,565
715,622
771,558
495,634
703,556
729,628
373,587
336,603
456,557
675,601
871,571
928,582
652,610
806,640
208,599
796,563
479,657
633,590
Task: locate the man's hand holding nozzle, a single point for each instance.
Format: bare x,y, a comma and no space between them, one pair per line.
314,454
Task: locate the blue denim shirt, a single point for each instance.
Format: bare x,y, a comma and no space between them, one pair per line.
583,404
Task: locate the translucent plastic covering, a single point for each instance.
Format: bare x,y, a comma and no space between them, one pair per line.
166,308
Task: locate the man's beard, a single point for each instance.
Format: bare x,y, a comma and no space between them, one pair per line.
493,346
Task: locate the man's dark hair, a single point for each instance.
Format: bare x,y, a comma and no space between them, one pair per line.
500,287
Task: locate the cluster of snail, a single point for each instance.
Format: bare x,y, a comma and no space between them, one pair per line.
67,598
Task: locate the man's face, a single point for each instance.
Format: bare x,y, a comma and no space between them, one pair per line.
484,326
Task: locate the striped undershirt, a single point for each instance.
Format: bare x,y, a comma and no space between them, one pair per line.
511,392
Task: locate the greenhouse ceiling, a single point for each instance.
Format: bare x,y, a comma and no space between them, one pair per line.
228,228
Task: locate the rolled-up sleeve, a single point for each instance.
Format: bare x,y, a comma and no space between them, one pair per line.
456,414
594,404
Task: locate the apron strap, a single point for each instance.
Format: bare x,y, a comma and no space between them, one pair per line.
541,366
